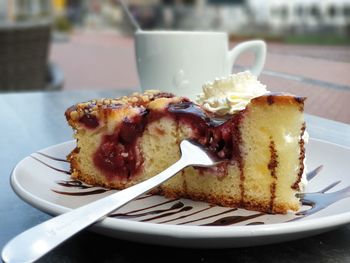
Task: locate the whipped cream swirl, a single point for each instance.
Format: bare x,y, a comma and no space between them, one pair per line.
231,94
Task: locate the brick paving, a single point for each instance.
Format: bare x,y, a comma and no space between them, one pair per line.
106,61
332,53
326,103
96,61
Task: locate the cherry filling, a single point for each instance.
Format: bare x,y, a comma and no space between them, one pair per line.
89,120
219,134
118,154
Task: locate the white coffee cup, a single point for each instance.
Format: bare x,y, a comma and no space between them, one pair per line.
181,62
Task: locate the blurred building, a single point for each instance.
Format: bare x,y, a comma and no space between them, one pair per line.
303,17
249,17
19,10
276,17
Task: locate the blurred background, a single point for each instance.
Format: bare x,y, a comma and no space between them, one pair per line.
88,44
291,21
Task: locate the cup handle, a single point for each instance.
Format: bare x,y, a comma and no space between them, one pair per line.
256,46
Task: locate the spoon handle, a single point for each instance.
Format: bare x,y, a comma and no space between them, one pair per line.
129,15
39,240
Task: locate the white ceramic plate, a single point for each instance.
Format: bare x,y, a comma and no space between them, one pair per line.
42,180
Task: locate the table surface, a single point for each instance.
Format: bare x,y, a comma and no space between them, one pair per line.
32,121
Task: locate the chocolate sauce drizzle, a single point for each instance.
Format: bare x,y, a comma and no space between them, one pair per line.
50,166
92,192
73,183
78,185
53,158
230,220
131,214
210,216
317,201
184,216
183,209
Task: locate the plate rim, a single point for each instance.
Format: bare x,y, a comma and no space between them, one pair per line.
185,231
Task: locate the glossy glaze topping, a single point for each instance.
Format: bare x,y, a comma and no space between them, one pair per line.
89,120
219,134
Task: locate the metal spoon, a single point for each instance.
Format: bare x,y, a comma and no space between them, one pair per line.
39,240
131,18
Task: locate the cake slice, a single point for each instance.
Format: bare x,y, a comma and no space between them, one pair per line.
121,142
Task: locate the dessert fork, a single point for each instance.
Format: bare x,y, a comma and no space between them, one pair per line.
39,240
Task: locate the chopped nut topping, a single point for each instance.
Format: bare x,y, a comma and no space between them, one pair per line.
134,99
94,107
74,115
